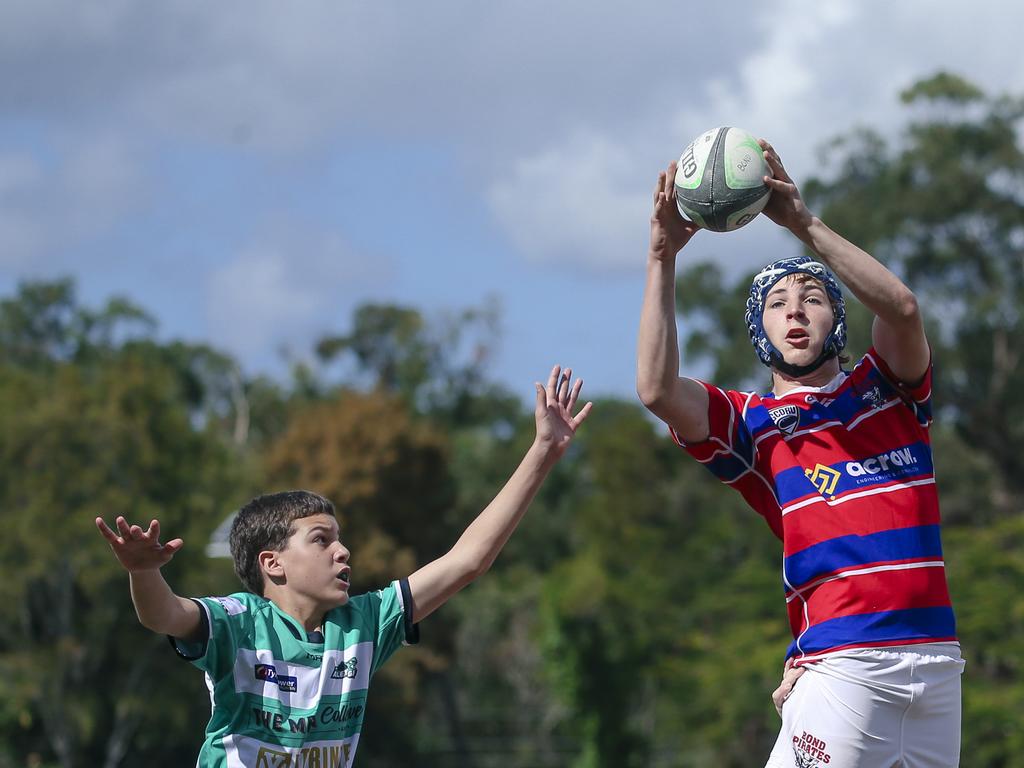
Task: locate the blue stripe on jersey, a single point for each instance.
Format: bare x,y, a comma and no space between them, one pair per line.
871,628
759,420
842,552
904,463
727,466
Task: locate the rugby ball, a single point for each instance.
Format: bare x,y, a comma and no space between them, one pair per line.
720,179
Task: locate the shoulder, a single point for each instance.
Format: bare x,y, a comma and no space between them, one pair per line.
363,607
239,608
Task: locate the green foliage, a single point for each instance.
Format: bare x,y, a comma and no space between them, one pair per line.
92,428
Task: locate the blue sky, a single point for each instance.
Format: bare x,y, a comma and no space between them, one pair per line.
250,172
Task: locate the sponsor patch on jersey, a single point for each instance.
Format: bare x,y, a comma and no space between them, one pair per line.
345,669
266,672
823,478
786,418
873,397
287,683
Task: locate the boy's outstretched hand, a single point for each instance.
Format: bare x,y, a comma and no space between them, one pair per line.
136,549
555,423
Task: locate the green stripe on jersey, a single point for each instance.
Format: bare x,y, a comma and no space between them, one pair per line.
282,701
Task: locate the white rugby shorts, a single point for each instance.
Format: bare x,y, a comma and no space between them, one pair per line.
895,707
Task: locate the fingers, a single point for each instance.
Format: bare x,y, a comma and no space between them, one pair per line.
771,157
108,534
580,417
563,385
173,546
659,187
552,388
666,184
669,187
784,691
574,394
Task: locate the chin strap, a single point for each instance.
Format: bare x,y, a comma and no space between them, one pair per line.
801,370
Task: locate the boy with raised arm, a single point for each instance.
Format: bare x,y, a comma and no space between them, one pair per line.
839,464
288,663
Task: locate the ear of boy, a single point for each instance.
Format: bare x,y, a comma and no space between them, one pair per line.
270,564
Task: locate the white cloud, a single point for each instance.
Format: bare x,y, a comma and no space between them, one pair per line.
284,291
51,199
570,202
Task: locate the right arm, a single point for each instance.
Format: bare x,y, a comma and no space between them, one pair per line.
680,402
142,555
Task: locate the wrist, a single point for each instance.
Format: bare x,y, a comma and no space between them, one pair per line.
545,450
805,227
662,258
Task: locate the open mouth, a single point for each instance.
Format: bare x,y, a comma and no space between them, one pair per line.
343,576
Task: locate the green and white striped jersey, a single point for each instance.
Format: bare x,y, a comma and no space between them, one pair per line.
281,701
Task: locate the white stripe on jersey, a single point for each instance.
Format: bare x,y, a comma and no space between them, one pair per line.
863,571
873,412
856,495
309,682
246,752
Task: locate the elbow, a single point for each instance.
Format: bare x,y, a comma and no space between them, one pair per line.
906,306
652,394
471,566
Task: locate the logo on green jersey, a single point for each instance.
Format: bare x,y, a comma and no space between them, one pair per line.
345,669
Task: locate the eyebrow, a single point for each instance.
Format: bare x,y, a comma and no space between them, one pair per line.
323,527
806,286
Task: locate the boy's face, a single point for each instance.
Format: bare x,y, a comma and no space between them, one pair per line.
314,562
798,318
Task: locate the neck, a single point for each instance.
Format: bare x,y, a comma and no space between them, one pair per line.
308,614
819,377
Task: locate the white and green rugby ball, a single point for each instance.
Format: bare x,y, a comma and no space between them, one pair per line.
720,179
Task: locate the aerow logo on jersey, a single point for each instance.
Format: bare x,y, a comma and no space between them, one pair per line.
898,462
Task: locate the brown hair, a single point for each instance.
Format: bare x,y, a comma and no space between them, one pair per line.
266,523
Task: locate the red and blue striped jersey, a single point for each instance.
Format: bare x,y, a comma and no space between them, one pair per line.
843,476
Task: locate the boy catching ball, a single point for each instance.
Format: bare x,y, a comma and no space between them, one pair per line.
839,464
288,663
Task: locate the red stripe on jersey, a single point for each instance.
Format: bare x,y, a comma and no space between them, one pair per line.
887,589
820,522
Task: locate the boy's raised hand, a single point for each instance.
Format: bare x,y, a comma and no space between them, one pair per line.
136,549
669,231
785,207
555,423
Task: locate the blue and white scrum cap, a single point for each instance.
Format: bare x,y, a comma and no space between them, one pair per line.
763,282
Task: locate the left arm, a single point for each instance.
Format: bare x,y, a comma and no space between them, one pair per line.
475,551
898,330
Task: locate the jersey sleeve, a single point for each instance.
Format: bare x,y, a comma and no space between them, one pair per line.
224,621
393,609
728,452
918,397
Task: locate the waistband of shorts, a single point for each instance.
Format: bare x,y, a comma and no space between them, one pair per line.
941,650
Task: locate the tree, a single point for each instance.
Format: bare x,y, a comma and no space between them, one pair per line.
95,424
